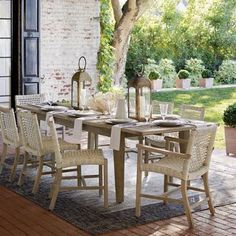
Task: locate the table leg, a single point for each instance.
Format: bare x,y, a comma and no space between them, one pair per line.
119,169
92,140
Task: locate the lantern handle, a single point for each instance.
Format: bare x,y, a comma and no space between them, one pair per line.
85,63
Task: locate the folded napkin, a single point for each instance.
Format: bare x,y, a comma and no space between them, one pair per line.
115,137
77,131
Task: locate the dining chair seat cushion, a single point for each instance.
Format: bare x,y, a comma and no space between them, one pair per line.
82,157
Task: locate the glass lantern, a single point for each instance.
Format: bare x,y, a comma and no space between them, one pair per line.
139,97
80,85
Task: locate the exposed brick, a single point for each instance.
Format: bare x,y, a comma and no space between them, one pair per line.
69,30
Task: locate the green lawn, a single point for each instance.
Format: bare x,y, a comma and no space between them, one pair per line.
215,100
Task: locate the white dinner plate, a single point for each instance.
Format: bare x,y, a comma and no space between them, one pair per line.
74,113
53,108
167,117
169,123
120,121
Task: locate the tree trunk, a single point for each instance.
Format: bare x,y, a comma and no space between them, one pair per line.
121,42
133,9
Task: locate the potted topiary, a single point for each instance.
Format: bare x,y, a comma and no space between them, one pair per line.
156,80
229,118
207,79
183,80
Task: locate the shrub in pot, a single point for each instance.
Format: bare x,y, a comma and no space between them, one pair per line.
229,118
183,80
156,80
207,79
195,67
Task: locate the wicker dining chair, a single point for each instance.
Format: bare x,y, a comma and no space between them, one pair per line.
184,166
77,158
192,112
10,137
37,99
36,145
156,140
186,112
152,138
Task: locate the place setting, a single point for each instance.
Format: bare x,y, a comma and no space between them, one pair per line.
166,120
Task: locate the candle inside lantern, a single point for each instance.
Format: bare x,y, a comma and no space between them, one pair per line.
142,105
82,97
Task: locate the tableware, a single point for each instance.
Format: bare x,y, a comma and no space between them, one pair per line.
169,123
121,111
167,117
74,113
53,108
120,121
147,112
163,109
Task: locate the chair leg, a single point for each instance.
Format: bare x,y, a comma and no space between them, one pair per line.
79,175
24,169
15,163
166,180
100,179
38,176
146,157
63,132
56,188
53,163
138,192
208,194
4,155
187,208
105,167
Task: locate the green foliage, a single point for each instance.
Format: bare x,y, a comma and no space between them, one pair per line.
227,72
105,55
195,66
229,116
151,66
205,30
206,73
167,72
215,101
153,75
183,74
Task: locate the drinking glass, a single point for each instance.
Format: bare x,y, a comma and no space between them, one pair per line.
163,110
147,112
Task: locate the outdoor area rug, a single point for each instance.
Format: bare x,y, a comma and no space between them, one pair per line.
85,210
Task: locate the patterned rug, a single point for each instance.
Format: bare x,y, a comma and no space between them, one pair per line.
84,209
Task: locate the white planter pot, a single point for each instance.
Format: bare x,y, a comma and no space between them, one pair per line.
183,83
206,82
157,84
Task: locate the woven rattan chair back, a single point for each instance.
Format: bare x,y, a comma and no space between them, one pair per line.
30,132
202,148
156,107
58,155
29,99
192,112
9,129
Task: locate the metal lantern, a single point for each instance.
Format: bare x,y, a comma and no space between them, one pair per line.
80,84
139,96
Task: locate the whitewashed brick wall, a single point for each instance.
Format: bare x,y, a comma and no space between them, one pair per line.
69,29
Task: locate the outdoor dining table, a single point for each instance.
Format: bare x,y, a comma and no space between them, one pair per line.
98,126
